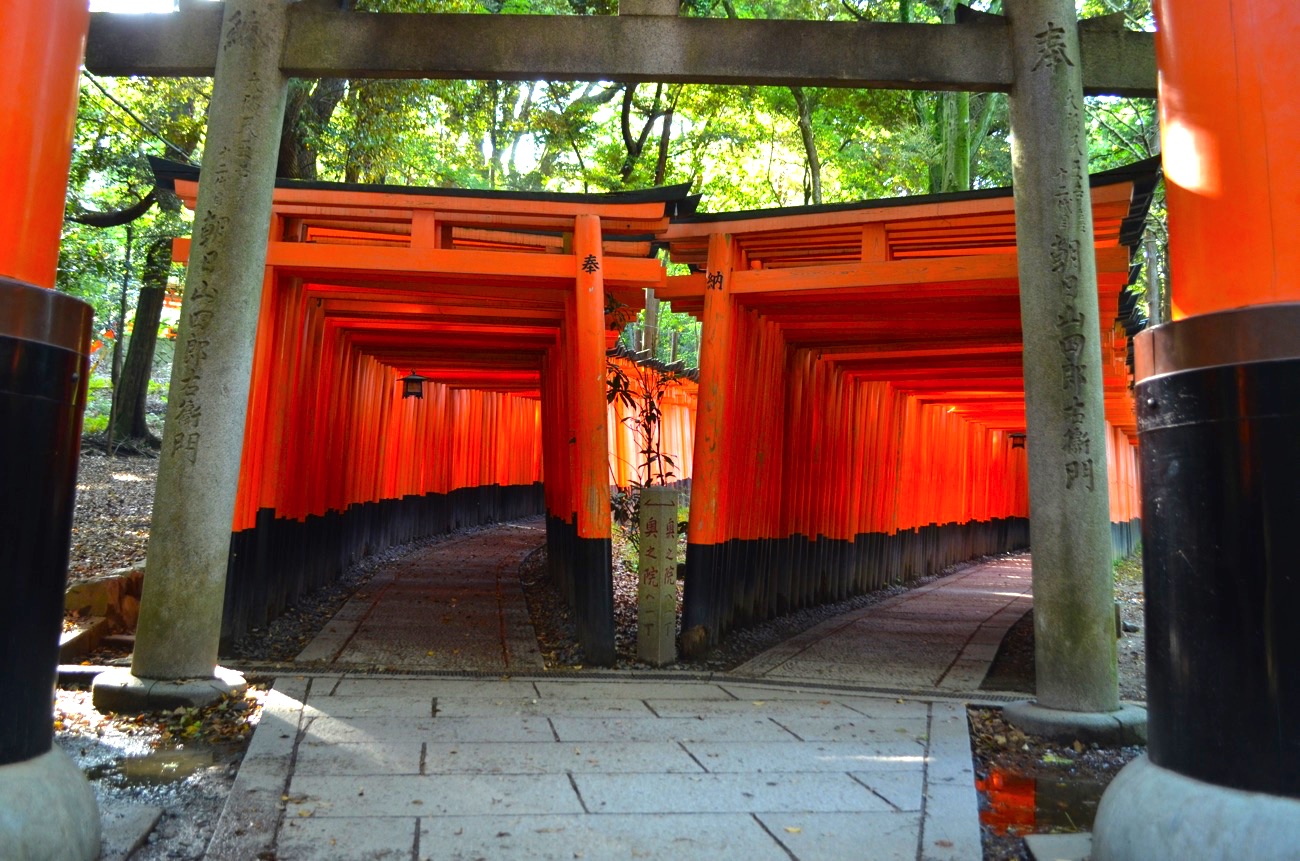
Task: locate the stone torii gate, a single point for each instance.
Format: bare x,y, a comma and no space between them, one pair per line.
1039,53
252,47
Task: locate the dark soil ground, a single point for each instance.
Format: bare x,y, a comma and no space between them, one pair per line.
110,528
1027,785
1032,786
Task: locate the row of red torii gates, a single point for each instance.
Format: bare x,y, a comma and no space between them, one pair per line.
861,374
860,416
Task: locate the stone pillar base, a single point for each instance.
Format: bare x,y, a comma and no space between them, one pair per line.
119,691
1151,812
47,811
1127,725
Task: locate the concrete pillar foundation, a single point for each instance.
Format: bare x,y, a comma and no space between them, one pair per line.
47,811
1126,725
1153,812
119,691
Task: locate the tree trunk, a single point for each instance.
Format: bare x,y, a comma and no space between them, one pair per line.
132,392
809,143
307,114
956,142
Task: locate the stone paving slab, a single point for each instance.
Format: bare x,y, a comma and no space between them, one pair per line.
943,636
388,838
819,792
902,754
457,604
877,836
756,764
665,837
360,758
600,689
369,686
551,706
621,757
756,708
431,795
721,728
504,785
505,728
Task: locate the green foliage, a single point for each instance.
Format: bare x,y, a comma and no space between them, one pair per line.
1129,569
641,390
120,122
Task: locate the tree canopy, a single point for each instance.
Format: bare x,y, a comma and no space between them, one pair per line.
739,147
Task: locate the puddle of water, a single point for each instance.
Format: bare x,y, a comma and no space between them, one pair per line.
159,767
1029,805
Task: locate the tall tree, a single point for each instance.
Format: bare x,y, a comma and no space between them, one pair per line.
111,185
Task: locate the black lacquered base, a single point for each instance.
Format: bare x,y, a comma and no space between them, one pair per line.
42,396
739,583
1220,463
280,560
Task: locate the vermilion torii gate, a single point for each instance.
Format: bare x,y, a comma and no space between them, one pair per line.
861,374
500,301
856,432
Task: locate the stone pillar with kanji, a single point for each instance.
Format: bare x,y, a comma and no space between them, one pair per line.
656,629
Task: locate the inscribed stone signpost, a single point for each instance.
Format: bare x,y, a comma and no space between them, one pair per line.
657,577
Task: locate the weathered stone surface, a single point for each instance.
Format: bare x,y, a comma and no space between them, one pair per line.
1074,628
1152,812
118,690
656,638
125,827
47,811
203,438
325,41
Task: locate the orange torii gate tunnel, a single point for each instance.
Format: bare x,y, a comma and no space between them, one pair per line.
859,419
507,303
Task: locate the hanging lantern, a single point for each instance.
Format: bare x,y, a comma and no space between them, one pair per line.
1017,440
412,385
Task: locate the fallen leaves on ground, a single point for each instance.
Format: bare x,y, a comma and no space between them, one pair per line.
110,527
230,720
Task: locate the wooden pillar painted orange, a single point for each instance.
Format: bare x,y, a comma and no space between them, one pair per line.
41,46
595,595
715,372
1230,126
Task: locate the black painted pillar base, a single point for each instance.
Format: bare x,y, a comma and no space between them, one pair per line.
581,570
43,366
47,809
1219,432
594,599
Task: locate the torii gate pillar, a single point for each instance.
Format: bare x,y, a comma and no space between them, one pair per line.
1218,397
1077,693
175,660
47,809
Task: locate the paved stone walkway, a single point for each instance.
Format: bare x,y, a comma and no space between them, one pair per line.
939,637
455,605
806,752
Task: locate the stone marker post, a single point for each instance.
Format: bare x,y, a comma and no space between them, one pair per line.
1074,627
175,659
656,605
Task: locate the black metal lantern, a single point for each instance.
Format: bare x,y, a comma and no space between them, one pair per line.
1017,440
412,385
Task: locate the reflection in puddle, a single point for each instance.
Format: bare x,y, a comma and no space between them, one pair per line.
1026,805
163,766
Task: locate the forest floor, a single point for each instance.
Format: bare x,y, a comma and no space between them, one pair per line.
1028,785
